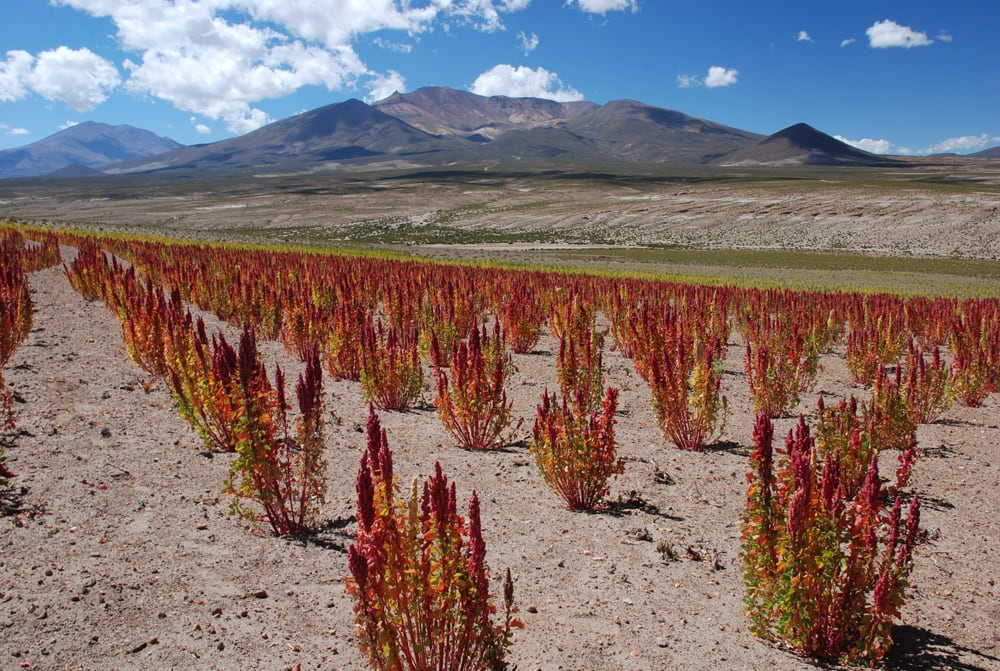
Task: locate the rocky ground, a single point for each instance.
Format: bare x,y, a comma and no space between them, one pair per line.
117,552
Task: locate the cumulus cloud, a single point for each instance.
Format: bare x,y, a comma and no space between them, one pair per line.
528,42
717,76
523,82
78,78
604,6
870,145
963,143
385,85
803,36
200,127
847,41
884,34
14,75
7,130
219,58
720,76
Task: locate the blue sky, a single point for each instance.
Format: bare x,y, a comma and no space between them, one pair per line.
906,77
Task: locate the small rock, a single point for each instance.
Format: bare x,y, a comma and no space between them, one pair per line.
260,594
532,609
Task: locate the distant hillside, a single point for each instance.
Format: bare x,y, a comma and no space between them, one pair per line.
87,145
436,126
345,131
443,111
992,152
800,144
636,132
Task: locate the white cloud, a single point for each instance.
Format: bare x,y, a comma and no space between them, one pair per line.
523,82
720,76
388,45
883,34
219,58
67,124
14,75
77,77
7,130
717,77
964,143
528,42
869,145
688,81
200,127
845,42
383,86
605,6
803,36
945,36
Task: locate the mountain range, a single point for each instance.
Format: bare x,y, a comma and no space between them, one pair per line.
437,127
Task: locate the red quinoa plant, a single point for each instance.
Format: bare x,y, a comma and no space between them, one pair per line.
825,571
341,348
780,363
473,405
975,346
204,381
281,470
927,389
392,375
687,397
419,577
575,450
15,320
858,433
580,365
875,341
521,312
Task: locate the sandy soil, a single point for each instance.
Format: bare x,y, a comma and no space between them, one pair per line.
116,551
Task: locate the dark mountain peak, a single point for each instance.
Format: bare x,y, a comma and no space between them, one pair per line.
801,144
805,136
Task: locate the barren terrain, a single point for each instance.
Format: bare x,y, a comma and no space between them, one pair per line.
936,210
117,551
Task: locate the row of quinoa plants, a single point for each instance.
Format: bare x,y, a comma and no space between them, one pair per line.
19,255
418,574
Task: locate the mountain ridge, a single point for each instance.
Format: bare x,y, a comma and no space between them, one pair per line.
437,127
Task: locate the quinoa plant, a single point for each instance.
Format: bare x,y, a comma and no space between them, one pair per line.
419,578
825,571
473,404
576,450
392,375
281,470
